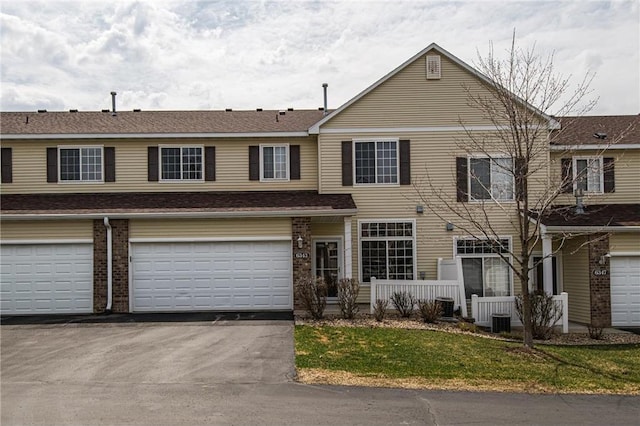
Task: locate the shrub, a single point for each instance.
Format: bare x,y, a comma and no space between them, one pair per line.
544,313
430,310
380,309
595,331
404,303
468,326
312,294
348,289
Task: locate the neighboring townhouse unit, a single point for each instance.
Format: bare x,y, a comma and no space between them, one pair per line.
225,210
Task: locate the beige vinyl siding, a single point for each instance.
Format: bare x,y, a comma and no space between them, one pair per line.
409,99
232,166
627,242
46,229
210,228
319,229
627,176
575,269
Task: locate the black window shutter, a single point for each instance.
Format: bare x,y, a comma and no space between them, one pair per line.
609,175
52,164
152,164
254,162
520,178
462,183
209,163
7,168
567,175
294,162
405,162
347,163
109,164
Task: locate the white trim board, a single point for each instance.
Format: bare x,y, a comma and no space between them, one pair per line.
599,147
419,129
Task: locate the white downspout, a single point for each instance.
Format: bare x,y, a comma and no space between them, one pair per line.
109,264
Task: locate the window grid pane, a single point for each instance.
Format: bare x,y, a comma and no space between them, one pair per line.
280,162
387,250
502,179
171,163
365,162
91,160
192,163
70,164
480,178
387,162
268,162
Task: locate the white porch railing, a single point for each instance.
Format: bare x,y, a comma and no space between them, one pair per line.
420,289
483,307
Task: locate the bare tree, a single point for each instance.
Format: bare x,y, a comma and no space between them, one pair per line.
518,95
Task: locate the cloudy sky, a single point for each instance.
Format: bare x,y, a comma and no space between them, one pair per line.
175,55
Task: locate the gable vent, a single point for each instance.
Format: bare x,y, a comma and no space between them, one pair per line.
433,67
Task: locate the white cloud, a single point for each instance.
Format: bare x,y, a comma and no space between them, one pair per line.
276,54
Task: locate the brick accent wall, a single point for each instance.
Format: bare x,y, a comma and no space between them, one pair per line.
599,285
300,227
120,271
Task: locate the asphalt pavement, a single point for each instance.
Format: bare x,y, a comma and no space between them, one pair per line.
233,373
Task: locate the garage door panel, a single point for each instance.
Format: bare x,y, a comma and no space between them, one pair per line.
625,291
212,275
46,278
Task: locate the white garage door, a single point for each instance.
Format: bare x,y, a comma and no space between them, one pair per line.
625,291
46,278
203,276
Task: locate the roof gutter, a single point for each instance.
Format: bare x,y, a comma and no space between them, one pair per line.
180,215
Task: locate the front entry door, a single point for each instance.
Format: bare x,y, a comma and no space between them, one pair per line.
327,256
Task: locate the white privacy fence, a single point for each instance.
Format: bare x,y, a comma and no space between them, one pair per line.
420,290
483,307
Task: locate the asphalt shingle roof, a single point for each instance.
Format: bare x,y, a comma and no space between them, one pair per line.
595,215
127,122
158,202
620,129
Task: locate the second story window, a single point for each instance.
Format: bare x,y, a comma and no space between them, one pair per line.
80,164
491,178
588,172
275,162
376,162
181,163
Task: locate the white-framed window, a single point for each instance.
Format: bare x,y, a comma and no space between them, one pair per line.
376,161
491,178
484,272
589,176
80,164
274,162
387,249
179,163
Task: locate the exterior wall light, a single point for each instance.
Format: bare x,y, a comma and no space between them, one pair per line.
450,226
419,209
300,241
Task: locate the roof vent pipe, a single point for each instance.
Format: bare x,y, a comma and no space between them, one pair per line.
113,103
324,87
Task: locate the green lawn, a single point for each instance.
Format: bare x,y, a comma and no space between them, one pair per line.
390,357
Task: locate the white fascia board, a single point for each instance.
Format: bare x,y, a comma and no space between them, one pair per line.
598,147
50,241
181,215
425,129
569,229
154,135
315,129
